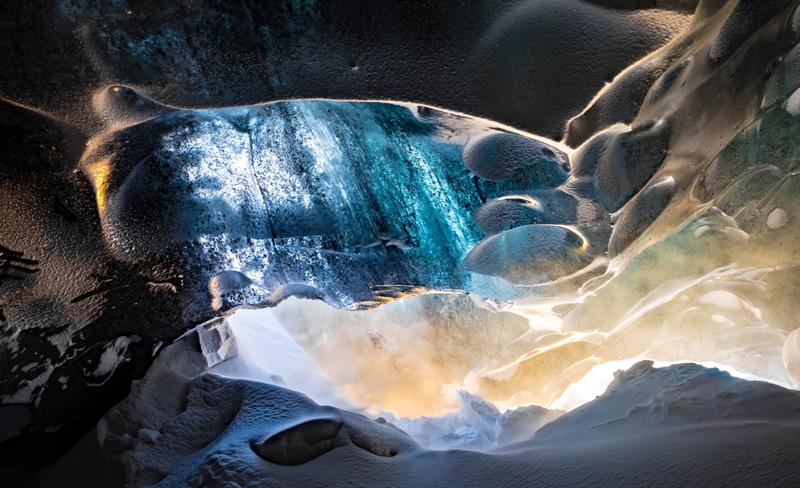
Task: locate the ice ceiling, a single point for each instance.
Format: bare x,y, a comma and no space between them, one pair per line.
446,255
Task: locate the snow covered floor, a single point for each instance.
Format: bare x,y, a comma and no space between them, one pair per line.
416,366
681,425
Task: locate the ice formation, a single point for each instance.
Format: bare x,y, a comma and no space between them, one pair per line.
343,197
437,296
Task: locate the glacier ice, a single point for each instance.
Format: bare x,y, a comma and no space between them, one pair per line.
358,200
148,191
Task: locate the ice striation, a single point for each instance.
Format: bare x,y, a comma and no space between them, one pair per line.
361,201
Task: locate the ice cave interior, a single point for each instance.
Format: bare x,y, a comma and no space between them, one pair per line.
300,243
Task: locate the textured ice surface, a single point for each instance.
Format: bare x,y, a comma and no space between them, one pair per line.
674,236
339,196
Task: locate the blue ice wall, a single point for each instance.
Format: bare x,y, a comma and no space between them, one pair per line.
361,201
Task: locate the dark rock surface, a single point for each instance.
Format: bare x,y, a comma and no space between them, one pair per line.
512,61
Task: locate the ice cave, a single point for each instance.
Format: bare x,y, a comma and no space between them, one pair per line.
489,243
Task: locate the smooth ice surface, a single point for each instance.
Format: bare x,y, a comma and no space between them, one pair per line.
267,353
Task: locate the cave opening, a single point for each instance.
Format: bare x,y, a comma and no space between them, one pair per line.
451,370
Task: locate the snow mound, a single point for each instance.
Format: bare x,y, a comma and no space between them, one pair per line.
645,399
183,426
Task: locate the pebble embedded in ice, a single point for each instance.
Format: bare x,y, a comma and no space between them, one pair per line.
777,219
225,283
